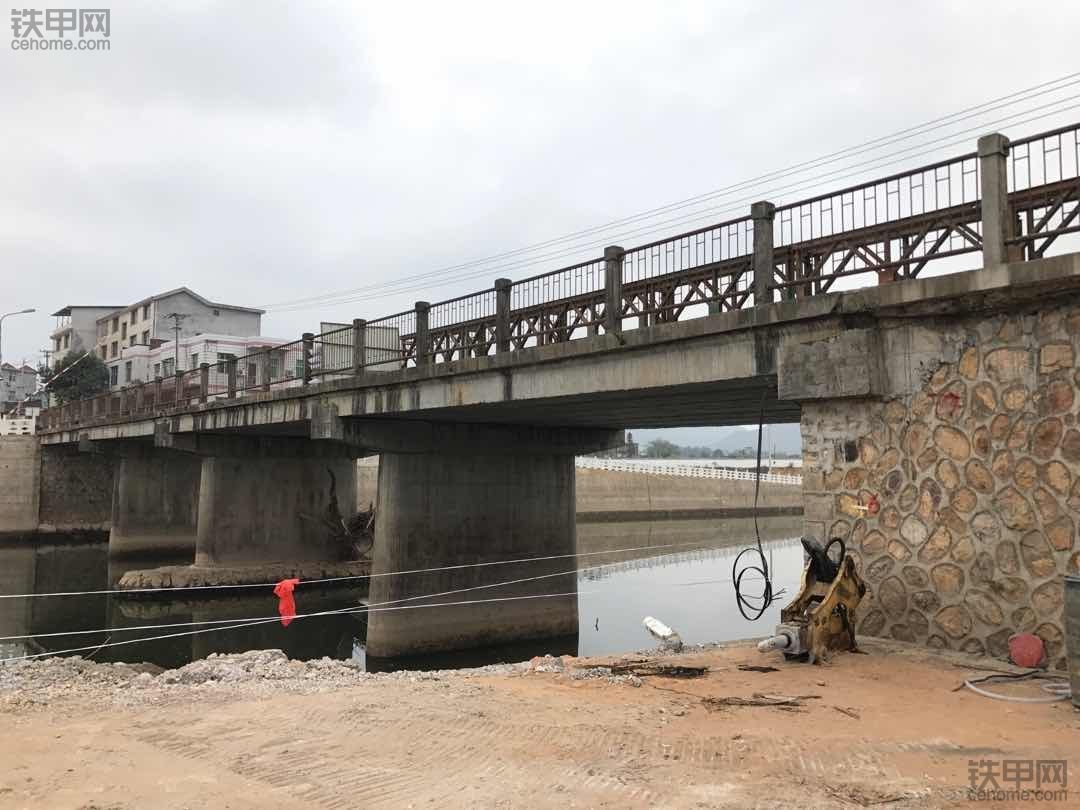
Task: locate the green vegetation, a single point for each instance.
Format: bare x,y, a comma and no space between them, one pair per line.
89,377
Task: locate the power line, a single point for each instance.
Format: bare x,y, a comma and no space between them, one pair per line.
394,288
934,124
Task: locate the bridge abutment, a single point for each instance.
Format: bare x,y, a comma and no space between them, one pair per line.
943,446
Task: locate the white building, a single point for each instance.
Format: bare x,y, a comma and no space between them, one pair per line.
141,364
125,337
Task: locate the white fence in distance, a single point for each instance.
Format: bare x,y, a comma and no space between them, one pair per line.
687,470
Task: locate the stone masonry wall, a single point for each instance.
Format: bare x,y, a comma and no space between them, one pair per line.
19,468
960,496
76,489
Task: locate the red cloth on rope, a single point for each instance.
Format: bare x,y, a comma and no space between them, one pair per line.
286,605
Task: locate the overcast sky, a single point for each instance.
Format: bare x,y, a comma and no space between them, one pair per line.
261,153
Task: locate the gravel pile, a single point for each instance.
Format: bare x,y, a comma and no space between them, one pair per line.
256,673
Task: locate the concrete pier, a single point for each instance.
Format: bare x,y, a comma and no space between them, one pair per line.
155,505
264,506
438,510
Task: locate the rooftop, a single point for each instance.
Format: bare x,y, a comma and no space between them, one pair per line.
67,310
204,301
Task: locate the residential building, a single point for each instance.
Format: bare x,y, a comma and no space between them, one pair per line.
76,329
125,336
141,364
17,383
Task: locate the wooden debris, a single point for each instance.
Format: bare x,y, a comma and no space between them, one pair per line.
758,699
849,712
649,668
756,668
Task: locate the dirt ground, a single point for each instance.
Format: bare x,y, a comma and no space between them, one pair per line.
323,735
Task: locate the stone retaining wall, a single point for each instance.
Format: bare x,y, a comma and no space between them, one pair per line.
960,498
19,471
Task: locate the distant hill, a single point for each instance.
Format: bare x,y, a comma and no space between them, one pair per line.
784,439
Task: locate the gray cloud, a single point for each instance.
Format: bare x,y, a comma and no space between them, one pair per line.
265,152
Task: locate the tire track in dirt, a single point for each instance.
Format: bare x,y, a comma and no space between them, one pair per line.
423,748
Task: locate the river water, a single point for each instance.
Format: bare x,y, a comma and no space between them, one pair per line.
688,587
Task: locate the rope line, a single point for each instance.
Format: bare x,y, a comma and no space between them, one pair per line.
378,607
324,580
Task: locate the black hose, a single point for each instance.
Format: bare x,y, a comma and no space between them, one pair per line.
746,604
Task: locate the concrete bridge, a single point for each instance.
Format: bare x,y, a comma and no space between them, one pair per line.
478,405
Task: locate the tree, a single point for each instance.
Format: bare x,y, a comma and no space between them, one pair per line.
661,448
87,376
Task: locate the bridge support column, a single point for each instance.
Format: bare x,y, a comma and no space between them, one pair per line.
155,503
437,510
262,506
453,496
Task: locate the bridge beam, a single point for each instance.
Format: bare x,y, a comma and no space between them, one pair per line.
450,511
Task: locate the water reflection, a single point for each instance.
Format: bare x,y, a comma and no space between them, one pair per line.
685,585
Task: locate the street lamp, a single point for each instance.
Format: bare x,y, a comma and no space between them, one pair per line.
19,312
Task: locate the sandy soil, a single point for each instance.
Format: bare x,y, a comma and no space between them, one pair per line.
255,732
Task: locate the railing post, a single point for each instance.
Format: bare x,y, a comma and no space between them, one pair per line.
763,214
423,336
264,368
613,265
307,354
359,346
230,372
997,225
204,381
502,314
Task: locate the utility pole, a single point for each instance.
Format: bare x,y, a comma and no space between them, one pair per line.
177,317
47,353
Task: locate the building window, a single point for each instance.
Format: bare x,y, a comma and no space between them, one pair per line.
102,352
56,343
145,338
167,367
157,370
123,330
127,371
134,316
113,350
131,340
145,311
67,340
115,324
222,359
113,370
217,311
194,359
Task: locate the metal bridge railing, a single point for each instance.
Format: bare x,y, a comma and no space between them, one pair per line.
1010,201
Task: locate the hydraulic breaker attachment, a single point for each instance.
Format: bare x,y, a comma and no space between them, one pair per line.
822,617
